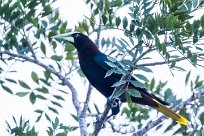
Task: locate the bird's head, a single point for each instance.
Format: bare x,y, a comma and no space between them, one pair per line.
79,40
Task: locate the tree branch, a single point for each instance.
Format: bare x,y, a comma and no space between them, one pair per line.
165,62
83,114
85,108
176,108
102,119
100,122
82,123
110,101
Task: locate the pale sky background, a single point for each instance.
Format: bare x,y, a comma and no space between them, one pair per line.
73,11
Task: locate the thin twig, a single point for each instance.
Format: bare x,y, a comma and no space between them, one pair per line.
176,108
165,62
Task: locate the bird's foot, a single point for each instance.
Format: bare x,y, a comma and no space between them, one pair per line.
99,123
113,103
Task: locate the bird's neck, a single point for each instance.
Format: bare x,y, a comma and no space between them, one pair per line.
87,52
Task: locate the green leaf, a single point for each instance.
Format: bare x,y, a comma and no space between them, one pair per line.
39,111
109,72
201,118
164,49
32,98
195,39
187,77
23,84
117,21
45,81
63,27
85,26
118,93
143,68
173,64
194,59
53,110
47,74
134,93
92,21
126,62
75,117
96,108
141,77
121,71
56,103
7,89
11,80
56,58
111,64
41,97
69,47
119,83
43,48
125,22
47,117
38,118
104,19
56,123
35,77
137,84
107,4
111,59
123,44
44,23
61,134
158,44
179,68
116,3
22,94
59,97
43,90
198,84
132,27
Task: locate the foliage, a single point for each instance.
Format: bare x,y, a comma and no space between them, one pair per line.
22,128
164,27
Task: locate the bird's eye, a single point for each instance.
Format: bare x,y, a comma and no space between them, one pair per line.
77,35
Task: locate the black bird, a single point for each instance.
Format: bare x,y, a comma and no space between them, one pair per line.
94,66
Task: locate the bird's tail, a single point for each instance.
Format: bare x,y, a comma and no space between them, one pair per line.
168,112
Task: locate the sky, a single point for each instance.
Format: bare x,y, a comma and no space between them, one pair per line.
74,10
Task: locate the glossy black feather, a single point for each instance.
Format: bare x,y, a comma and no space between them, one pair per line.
94,66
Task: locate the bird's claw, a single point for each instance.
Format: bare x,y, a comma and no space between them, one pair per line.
113,103
98,122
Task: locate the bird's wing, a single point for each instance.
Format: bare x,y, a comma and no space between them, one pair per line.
102,60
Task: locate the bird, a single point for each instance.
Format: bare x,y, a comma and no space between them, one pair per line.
93,64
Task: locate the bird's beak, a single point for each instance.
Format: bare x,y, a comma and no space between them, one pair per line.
67,36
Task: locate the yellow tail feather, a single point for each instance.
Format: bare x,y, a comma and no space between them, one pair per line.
168,112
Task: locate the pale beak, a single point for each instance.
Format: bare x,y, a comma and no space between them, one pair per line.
67,36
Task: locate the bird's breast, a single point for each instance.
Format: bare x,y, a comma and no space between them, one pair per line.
95,74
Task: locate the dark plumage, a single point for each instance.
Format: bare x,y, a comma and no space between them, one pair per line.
94,66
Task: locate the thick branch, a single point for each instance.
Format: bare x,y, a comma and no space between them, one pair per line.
176,108
83,114
61,77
